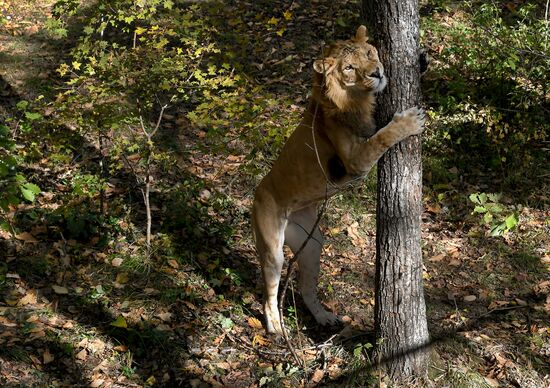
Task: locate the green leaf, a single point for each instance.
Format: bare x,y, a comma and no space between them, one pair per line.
32,116
474,197
29,190
498,230
227,323
22,105
120,322
480,209
494,197
4,225
511,221
27,194
482,198
32,187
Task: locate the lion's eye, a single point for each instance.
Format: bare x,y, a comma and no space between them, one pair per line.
348,68
369,53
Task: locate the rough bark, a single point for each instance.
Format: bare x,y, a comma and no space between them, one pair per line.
400,311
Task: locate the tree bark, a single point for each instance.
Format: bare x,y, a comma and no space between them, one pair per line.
400,311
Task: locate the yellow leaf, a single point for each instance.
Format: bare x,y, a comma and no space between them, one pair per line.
122,278
273,21
287,14
254,323
30,298
140,30
63,69
281,31
120,322
259,340
76,65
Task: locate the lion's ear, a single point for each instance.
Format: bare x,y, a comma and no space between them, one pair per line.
361,34
324,66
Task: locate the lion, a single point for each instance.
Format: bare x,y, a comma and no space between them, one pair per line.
335,144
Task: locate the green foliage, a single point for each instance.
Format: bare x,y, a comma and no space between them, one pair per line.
13,185
493,213
492,87
362,349
143,51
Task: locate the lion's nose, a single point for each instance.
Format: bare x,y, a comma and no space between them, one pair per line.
376,73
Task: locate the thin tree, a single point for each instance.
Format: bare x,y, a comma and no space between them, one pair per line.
400,311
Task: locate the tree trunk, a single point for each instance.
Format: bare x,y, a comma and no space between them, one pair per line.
400,311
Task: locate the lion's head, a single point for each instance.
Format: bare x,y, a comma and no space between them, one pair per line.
351,66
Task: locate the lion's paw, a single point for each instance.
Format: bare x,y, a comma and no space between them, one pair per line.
326,318
412,120
273,320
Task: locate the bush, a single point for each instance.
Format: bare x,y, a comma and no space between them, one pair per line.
491,86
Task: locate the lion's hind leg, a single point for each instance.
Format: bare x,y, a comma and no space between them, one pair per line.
269,235
299,227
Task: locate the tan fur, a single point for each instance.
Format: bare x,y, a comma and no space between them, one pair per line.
335,143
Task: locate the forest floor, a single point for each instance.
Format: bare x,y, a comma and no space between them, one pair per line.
94,311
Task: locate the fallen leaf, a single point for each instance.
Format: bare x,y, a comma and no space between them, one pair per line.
5,322
434,209
163,327
470,298
455,263
166,317
26,237
254,323
82,355
259,340
491,382
120,348
97,383
317,377
29,298
496,304
437,258
117,261
223,365
60,290
96,345
503,361
120,322
47,357
122,278
173,263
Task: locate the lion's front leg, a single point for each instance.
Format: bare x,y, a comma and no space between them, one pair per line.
404,124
